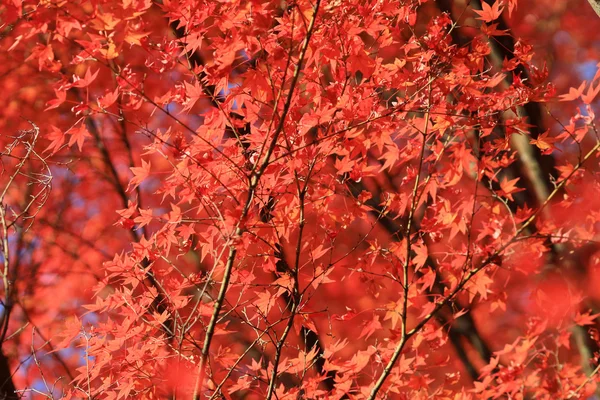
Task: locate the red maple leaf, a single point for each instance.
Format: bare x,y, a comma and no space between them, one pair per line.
139,174
370,327
108,99
86,80
508,188
489,13
574,93
194,93
78,136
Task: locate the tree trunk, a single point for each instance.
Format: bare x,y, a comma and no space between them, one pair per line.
7,387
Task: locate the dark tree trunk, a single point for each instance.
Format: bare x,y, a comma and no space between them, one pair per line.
7,386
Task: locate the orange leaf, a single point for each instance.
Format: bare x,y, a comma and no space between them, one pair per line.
489,13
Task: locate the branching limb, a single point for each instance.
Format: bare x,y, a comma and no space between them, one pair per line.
239,230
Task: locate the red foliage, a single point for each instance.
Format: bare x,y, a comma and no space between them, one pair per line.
301,199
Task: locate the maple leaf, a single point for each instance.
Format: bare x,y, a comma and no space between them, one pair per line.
495,80
192,42
44,55
86,80
343,165
488,369
427,309
565,171
544,143
564,339
361,359
479,387
393,312
285,283
346,317
57,139
61,96
135,38
78,136
194,93
574,93
370,327
144,219
16,42
139,174
264,302
489,13
428,279
334,347
591,94
108,99
322,276
480,285
585,319
105,21
421,255
73,328
129,211
404,364
308,323
508,188
302,362
364,196
186,231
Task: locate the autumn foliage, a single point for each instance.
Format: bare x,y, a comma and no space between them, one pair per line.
310,199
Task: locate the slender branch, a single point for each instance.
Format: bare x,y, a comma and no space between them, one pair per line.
404,319
295,296
488,260
239,230
32,199
588,380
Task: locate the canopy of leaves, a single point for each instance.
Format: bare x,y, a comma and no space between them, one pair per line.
299,199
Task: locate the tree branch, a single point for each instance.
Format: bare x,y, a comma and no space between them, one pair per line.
239,230
595,6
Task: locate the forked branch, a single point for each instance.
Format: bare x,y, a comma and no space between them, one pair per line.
255,176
